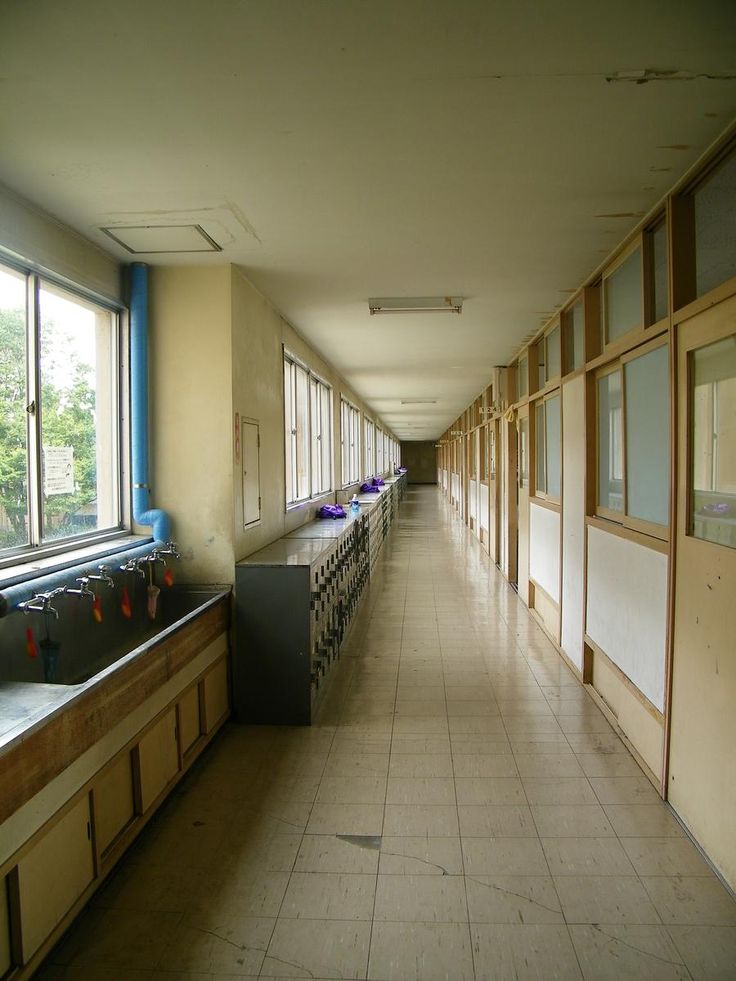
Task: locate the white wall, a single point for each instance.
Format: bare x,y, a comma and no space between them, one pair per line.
37,237
544,549
626,612
573,517
190,415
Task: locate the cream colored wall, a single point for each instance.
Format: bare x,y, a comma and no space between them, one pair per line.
190,374
259,333
37,237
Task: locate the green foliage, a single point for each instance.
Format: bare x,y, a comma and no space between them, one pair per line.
68,413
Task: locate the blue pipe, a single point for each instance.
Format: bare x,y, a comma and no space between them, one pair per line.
143,514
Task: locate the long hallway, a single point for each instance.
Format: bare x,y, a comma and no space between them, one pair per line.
462,811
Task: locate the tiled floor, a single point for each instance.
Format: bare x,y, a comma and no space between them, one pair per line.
463,811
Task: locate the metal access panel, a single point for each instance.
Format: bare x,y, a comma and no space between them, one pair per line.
274,622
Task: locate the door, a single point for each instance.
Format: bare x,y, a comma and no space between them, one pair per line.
700,781
53,875
251,443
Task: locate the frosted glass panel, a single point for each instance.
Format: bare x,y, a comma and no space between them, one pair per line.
659,271
523,378
610,443
715,228
554,446
541,470
647,437
553,354
623,298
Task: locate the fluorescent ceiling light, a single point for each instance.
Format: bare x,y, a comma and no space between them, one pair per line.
419,401
415,304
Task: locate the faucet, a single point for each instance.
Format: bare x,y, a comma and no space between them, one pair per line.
103,575
41,602
168,549
134,566
83,589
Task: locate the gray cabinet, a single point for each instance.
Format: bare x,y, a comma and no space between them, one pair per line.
294,602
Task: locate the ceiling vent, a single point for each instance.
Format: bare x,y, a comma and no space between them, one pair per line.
415,304
152,239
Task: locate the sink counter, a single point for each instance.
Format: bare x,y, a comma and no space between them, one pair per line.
45,727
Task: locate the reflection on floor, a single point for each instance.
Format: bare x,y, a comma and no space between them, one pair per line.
463,811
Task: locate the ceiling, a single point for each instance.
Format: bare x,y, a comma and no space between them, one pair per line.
343,149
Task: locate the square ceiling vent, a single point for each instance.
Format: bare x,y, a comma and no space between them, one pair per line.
150,239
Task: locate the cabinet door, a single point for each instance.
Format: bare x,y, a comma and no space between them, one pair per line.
189,719
53,875
5,956
216,694
158,759
114,802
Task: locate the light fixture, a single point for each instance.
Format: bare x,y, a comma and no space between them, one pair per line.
415,304
419,401
153,239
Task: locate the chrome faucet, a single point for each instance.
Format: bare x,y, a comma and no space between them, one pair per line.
134,566
102,575
83,589
41,602
168,549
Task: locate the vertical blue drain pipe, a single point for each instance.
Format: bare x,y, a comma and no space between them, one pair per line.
143,514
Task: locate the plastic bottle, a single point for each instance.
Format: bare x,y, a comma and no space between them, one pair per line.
354,505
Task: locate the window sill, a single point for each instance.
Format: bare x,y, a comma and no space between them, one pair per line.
33,567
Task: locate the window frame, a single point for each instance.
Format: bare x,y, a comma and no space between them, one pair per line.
544,495
350,434
37,549
369,448
637,243
310,439
641,525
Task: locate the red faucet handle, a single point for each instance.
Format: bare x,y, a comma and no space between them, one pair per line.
31,649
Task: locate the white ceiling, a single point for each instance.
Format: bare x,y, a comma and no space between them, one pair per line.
343,149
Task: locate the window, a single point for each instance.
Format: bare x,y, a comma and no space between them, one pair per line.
714,206
633,441
524,452
369,459
552,355
610,444
548,447
380,451
713,437
523,377
573,324
657,249
307,433
622,297
59,415
350,442
320,406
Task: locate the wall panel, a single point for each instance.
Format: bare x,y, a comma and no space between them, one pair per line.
544,549
626,612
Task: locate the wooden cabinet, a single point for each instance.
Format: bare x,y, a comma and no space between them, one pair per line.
114,801
158,759
53,874
5,951
189,721
216,694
